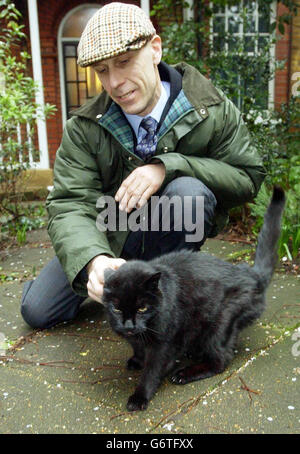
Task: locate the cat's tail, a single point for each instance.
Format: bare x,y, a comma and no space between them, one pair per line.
266,251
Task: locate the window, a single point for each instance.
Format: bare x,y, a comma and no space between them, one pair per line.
247,26
77,84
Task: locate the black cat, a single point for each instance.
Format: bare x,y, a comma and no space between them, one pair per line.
188,304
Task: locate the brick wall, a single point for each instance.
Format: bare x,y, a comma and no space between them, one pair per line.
282,53
295,47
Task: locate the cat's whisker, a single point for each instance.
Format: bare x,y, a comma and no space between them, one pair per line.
153,330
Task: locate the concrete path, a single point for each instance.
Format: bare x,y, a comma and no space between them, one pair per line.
72,378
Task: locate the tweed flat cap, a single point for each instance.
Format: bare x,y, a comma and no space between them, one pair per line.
116,28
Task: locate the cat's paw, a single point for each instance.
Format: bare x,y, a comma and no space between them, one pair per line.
136,402
193,373
134,363
179,378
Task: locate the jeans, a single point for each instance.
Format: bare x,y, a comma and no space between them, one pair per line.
49,299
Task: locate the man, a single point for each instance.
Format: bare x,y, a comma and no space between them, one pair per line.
155,130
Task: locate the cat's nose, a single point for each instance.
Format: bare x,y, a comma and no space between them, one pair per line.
128,324
129,327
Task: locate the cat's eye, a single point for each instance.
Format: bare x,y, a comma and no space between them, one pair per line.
116,310
142,309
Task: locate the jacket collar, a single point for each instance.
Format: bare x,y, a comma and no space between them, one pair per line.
199,91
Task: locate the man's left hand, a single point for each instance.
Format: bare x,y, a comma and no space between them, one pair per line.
139,186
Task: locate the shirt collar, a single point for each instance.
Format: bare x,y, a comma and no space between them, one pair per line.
156,113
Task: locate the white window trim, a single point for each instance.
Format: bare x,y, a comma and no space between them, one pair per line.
273,12
60,40
43,163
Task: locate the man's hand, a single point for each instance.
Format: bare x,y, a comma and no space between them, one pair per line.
139,186
95,271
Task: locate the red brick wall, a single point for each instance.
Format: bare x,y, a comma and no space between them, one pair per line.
282,53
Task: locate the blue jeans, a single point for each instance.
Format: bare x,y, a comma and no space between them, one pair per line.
49,299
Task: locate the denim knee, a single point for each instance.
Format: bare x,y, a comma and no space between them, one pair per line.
31,311
190,186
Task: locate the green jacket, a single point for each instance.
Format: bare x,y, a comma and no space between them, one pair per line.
202,136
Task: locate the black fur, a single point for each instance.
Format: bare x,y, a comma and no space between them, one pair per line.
188,304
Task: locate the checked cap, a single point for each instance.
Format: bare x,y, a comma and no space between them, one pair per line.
113,30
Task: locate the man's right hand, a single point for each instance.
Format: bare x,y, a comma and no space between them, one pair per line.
95,270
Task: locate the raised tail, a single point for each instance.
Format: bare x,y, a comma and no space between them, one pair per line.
266,251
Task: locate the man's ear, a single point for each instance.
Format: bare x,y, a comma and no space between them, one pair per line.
156,49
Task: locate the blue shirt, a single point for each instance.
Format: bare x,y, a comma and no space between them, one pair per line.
135,120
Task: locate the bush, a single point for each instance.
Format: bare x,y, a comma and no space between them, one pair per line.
276,134
277,137
18,114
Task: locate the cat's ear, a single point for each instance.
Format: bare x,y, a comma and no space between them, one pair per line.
108,272
151,282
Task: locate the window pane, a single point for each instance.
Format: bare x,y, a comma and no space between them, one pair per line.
250,5
234,9
81,74
72,94
263,24
218,43
263,41
249,43
93,83
218,9
249,24
219,25
264,17
82,93
71,73
233,24
233,43
70,51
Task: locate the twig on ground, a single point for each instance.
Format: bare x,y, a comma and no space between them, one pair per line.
246,388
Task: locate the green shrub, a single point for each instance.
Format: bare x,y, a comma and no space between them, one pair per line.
276,134
18,113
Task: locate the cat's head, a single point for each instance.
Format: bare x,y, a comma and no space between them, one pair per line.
131,295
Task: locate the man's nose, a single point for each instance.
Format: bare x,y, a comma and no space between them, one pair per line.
115,79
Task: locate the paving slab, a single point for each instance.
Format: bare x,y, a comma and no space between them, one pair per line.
260,397
72,377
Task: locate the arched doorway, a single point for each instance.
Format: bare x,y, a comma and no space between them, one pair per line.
77,84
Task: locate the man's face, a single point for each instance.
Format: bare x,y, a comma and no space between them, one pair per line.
132,79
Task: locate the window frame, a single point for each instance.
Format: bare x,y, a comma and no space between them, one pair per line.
62,41
227,14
